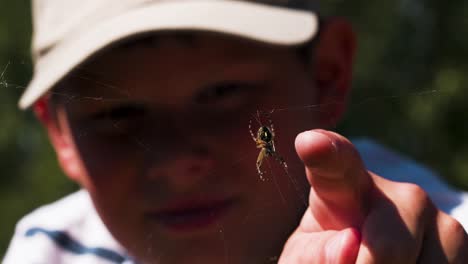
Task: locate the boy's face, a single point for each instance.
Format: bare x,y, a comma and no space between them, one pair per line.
158,133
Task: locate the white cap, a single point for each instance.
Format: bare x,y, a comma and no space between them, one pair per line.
68,32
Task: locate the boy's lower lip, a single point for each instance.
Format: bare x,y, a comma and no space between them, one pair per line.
194,218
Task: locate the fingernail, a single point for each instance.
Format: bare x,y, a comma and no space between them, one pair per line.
315,146
326,134
314,135
320,134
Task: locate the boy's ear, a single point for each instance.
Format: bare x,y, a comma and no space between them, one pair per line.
60,138
333,67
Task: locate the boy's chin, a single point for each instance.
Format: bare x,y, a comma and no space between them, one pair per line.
212,245
207,251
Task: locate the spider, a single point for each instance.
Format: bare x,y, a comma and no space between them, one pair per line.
265,141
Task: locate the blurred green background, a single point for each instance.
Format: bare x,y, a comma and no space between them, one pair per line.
408,94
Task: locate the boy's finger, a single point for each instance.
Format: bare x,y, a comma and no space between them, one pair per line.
340,184
340,247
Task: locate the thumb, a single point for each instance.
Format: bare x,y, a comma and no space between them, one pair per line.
340,184
337,247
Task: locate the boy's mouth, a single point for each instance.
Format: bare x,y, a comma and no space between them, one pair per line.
192,215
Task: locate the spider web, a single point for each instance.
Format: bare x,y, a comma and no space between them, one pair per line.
354,108
3,81
269,162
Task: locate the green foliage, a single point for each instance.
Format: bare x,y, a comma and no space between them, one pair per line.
408,94
409,81
30,175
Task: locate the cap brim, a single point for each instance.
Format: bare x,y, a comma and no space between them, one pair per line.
274,25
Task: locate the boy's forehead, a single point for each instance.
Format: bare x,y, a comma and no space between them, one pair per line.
192,41
140,73
160,48
168,54
301,4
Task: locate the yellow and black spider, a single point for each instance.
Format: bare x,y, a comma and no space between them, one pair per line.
265,141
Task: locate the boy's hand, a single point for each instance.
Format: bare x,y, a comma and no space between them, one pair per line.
355,216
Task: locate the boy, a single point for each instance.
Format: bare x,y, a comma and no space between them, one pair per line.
148,104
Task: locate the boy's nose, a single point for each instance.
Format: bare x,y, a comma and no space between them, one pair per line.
184,171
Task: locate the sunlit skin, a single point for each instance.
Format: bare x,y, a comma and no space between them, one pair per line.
148,124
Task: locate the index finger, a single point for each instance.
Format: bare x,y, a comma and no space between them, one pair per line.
340,183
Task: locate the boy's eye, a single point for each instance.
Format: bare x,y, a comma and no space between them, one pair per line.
226,94
121,112
118,120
